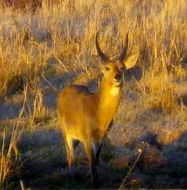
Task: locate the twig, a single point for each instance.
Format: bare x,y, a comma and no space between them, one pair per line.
53,88
130,170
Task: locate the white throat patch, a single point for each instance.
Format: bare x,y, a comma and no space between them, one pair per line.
114,91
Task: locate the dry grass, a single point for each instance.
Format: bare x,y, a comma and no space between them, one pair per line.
48,43
67,35
8,156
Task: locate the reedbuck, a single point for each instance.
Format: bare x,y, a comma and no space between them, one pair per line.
85,117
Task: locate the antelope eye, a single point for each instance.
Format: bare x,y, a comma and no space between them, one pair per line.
107,68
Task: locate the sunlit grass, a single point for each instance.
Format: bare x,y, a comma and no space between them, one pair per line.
67,30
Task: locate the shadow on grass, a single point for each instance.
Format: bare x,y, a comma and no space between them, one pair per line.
43,163
9,110
162,165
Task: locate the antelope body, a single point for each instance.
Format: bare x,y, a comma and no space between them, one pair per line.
85,117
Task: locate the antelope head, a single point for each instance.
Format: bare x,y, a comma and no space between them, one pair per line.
114,68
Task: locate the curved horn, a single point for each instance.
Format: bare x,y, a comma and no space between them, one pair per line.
101,54
124,51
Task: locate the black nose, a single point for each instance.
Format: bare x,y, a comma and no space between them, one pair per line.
118,77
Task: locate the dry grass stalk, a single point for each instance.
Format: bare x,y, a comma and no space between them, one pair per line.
9,152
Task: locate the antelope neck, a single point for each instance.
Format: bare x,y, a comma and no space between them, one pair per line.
108,97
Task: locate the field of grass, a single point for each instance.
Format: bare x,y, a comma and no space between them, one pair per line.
44,49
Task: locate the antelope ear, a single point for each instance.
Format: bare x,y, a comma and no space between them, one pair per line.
131,60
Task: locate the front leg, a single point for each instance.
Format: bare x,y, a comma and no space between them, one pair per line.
92,161
98,146
97,151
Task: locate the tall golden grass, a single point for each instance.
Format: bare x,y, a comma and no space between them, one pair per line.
157,28
8,155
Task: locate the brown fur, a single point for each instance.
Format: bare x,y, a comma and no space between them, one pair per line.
86,117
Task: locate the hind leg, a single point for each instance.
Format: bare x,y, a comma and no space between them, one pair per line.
70,153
